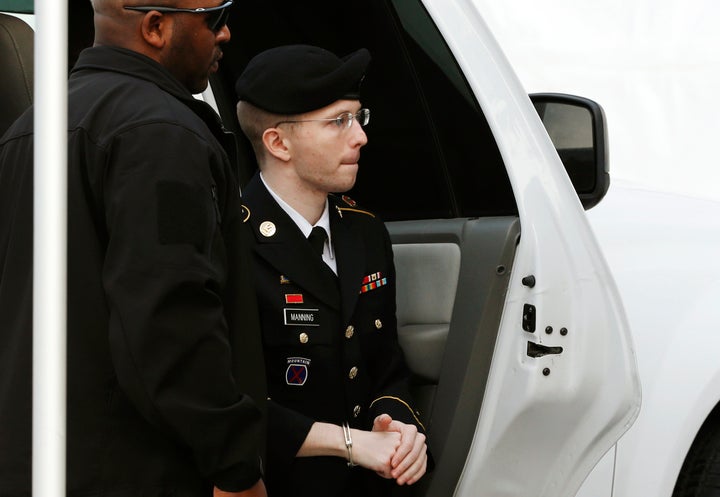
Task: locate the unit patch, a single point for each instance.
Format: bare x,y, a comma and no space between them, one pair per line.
304,317
297,371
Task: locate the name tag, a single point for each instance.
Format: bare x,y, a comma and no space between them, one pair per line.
304,317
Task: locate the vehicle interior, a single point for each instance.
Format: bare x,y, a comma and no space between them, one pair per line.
431,170
16,57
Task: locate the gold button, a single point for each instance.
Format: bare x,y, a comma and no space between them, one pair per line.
378,324
267,229
353,373
349,331
356,411
304,338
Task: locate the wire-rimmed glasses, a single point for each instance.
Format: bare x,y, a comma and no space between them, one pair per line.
343,121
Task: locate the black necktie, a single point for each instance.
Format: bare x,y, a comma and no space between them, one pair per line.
317,238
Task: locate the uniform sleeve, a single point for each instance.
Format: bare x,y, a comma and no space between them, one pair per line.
392,376
287,430
164,277
392,393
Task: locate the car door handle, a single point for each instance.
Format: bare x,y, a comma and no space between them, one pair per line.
537,350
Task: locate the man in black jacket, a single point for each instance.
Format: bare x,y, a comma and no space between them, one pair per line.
165,394
336,374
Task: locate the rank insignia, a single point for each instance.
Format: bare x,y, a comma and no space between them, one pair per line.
293,298
284,280
349,201
297,371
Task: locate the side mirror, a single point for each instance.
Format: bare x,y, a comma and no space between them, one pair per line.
576,126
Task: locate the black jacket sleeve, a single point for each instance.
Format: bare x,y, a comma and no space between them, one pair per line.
165,275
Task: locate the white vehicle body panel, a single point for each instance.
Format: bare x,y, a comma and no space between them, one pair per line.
599,482
591,395
663,250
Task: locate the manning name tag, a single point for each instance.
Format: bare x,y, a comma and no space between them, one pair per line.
304,317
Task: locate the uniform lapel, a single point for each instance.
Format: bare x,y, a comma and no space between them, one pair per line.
281,243
350,255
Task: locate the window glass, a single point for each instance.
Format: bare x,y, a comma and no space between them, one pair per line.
18,6
570,127
430,152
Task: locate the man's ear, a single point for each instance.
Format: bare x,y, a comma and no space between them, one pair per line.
155,28
276,144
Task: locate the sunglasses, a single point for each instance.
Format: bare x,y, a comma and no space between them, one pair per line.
216,19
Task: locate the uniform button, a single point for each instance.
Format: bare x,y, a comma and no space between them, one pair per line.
353,373
378,324
304,338
349,331
356,411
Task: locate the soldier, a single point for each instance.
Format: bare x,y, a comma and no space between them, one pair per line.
337,378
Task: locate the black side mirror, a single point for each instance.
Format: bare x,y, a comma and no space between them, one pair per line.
576,126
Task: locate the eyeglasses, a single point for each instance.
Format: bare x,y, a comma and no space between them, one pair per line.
343,121
216,19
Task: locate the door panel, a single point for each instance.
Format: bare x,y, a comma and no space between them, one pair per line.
466,265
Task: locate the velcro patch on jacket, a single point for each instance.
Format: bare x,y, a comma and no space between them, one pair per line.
182,213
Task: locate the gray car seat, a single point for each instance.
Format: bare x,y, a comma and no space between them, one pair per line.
16,59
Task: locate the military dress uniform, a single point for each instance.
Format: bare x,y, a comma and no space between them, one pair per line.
331,347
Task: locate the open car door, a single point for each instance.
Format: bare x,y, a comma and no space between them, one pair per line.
508,314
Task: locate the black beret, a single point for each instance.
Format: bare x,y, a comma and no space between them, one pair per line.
294,79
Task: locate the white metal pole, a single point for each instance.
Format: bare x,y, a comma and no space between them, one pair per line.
50,249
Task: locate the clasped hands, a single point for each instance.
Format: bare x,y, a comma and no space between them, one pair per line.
392,449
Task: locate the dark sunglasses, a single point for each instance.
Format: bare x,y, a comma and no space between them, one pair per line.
217,16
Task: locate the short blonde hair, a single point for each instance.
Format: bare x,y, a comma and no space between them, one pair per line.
253,122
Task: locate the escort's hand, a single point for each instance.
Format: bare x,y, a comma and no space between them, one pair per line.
374,450
257,490
409,462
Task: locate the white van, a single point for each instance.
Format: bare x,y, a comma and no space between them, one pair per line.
527,280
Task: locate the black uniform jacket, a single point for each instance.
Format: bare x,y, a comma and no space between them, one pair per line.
331,346
163,337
